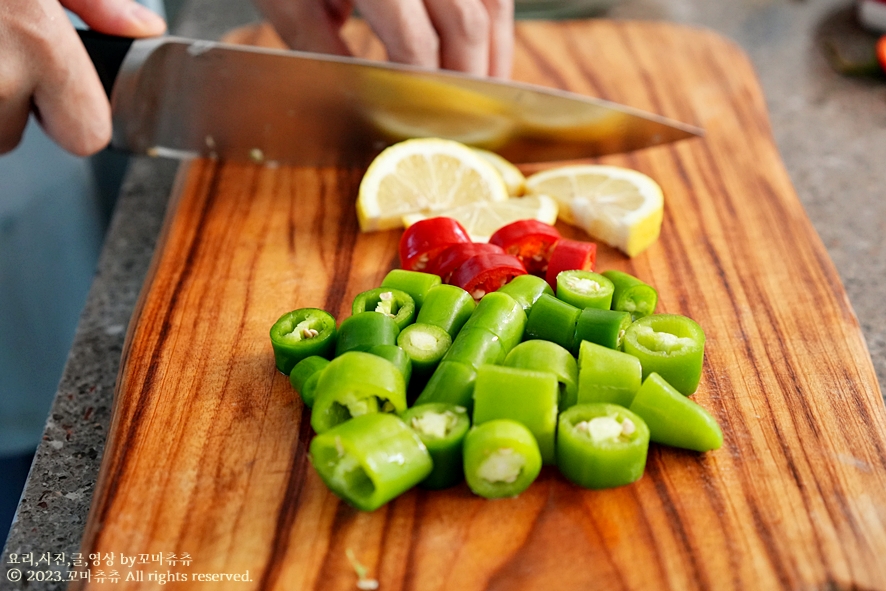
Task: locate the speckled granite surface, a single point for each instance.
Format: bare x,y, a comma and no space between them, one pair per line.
831,132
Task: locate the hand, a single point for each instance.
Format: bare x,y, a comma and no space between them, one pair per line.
45,69
474,36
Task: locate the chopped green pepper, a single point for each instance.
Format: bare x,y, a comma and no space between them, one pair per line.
547,356
370,460
606,375
631,294
395,355
501,459
526,289
395,303
475,347
425,344
442,428
585,289
446,306
552,320
356,383
674,419
523,395
302,333
453,382
364,330
604,327
415,283
304,377
501,315
670,345
601,445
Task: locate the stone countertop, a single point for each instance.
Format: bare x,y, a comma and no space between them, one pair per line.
831,132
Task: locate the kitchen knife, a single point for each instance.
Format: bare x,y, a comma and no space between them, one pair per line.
180,97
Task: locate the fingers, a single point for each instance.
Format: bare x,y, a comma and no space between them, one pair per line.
464,30
308,25
45,67
474,36
117,17
501,37
406,30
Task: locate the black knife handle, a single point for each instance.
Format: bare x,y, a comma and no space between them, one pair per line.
107,53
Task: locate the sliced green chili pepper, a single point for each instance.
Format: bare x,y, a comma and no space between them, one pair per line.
631,294
304,377
395,303
442,428
446,306
604,327
606,375
601,445
674,419
585,289
395,355
670,345
356,383
475,347
364,330
551,357
501,459
526,289
425,344
552,320
415,283
527,396
302,333
501,315
451,382
370,460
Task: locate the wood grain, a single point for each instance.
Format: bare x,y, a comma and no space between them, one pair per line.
206,453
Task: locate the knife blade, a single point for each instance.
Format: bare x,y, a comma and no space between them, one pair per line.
180,97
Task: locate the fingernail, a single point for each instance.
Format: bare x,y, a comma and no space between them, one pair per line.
147,17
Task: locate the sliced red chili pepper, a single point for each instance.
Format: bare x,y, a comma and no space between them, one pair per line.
568,255
451,257
485,273
423,240
531,241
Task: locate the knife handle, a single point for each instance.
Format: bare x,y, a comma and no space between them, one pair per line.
107,53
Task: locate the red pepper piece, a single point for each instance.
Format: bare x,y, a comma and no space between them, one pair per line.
531,241
451,257
568,255
485,273
425,239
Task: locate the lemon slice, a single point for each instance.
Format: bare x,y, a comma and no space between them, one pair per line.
619,206
481,219
513,178
424,175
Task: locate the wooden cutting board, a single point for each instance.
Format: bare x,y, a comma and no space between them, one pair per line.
207,450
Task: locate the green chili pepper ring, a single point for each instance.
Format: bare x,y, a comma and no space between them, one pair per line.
302,333
601,445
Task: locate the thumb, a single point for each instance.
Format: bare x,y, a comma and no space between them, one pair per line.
117,17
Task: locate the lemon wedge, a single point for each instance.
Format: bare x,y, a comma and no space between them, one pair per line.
426,176
513,178
619,206
482,218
